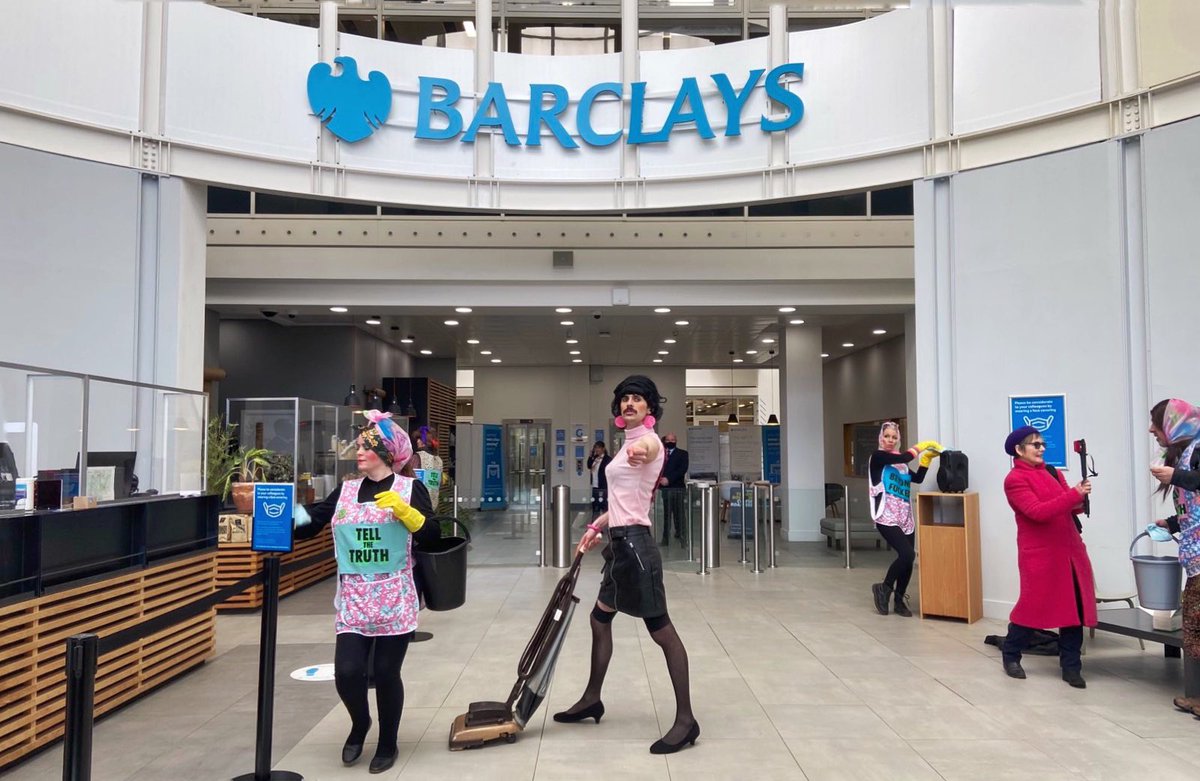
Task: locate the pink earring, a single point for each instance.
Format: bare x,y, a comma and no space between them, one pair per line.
619,421
649,421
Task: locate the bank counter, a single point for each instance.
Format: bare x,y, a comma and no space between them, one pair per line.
99,570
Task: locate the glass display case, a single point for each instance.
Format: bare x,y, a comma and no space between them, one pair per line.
305,441
65,435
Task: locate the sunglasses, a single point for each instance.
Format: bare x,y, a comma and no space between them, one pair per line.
1039,444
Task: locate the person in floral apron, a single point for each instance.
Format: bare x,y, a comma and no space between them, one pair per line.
1175,424
891,509
373,520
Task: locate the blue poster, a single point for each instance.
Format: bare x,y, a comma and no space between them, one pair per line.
493,496
272,530
1046,413
599,435
771,458
560,451
560,435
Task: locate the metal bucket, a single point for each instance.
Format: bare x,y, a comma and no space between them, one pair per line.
1159,579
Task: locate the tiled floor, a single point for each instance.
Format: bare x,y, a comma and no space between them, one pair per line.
794,677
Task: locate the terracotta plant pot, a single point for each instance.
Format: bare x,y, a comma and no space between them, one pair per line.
243,497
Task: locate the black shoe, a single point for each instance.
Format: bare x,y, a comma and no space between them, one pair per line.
1014,670
901,606
593,711
881,594
382,761
663,747
352,750
1074,678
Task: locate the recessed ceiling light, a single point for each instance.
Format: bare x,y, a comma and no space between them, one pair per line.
576,360
407,340
427,352
752,352
451,322
682,322
566,322
463,310
738,360
768,340
662,310
563,310
576,352
572,341
824,355
472,341
668,341
787,310
485,352
796,321
496,360
373,321
847,344
657,360
664,352
339,309
879,331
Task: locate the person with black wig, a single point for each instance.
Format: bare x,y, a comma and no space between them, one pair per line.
374,520
632,576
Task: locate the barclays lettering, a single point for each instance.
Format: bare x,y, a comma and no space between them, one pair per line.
353,108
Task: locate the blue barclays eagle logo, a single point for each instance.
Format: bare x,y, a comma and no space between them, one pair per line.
350,107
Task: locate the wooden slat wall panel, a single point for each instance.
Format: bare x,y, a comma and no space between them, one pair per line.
33,637
442,412
235,561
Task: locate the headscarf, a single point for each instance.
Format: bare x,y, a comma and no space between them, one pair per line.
427,438
386,440
883,445
1181,421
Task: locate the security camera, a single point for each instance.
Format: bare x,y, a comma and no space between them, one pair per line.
269,313
596,315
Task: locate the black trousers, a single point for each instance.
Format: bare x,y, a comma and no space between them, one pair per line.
1070,639
673,515
900,572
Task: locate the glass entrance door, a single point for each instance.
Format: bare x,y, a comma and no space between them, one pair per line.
525,442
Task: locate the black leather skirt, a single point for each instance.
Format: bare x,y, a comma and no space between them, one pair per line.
632,578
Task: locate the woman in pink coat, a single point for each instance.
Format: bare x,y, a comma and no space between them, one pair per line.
1057,589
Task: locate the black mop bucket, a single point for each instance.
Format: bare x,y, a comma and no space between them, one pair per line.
1159,579
443,568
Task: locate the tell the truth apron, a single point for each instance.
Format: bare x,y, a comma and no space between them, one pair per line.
895,484
375,593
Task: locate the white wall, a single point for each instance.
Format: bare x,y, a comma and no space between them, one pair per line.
566,396
1066,273
865,385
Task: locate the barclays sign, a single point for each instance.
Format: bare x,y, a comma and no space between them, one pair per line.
353,108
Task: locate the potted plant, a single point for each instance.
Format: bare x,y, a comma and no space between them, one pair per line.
221,463
280,468
251,465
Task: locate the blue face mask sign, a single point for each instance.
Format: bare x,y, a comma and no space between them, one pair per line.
350,107
353,109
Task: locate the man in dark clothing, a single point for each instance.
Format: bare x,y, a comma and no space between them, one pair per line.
671,483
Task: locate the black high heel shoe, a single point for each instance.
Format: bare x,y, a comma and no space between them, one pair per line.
663,747
593,711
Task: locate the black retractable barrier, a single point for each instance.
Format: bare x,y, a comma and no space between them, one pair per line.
83,651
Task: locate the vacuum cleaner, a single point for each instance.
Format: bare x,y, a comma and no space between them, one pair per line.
488,722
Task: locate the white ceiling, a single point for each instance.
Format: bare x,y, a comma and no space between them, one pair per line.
607,336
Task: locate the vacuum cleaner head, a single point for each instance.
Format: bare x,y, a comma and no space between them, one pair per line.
483,723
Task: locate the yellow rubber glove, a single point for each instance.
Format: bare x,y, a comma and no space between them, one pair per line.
927,458
929,444
401,510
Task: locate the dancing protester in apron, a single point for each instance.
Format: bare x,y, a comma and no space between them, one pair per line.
373,520
891,509
632,577
1175,425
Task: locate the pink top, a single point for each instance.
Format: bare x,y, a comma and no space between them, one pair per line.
630,487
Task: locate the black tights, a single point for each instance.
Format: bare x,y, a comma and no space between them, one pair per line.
900,572
662,632
350,677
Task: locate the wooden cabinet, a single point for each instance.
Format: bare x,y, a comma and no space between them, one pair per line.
951,581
